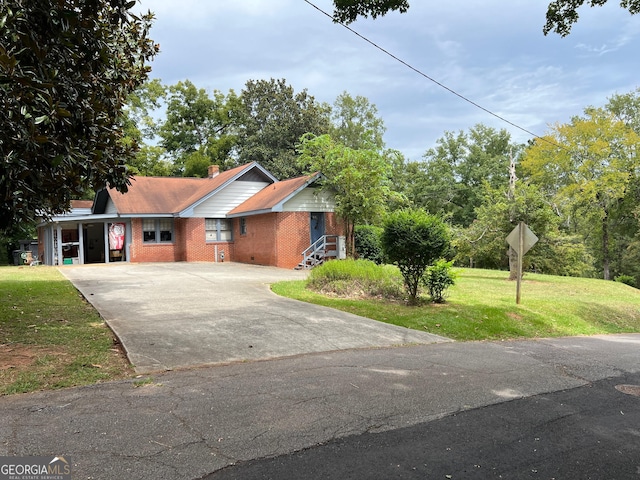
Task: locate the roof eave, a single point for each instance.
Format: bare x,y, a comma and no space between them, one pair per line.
249,213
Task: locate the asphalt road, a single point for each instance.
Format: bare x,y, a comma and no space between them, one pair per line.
464,409
589,432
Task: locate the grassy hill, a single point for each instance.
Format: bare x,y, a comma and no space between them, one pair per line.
482,306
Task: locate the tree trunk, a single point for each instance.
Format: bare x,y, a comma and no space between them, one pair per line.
605,244
350,238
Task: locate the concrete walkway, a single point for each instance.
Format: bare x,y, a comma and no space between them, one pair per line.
175,315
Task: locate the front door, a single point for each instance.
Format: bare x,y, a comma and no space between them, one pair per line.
317,226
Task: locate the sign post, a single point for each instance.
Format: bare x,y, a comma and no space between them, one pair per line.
521,239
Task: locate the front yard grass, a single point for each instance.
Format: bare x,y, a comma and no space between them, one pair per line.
50,337
482,306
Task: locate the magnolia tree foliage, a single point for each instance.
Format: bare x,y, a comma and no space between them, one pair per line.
66,69
561,14
413,240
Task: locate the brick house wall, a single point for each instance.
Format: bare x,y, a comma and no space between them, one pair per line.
193,247
278,239
149,252
258,244
189,244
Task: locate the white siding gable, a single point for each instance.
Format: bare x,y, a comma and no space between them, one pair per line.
310,200
227,199
110,208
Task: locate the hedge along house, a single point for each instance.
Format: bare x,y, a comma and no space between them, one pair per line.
244,214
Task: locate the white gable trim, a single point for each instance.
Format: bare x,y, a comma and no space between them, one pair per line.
280,206
189,211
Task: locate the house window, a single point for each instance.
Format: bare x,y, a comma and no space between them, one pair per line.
243,226
149,230
157,230
218,230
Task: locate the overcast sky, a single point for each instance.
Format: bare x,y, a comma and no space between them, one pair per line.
492,52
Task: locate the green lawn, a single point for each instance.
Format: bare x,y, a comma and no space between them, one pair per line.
50,337
482,306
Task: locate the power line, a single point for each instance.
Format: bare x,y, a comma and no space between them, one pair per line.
419,72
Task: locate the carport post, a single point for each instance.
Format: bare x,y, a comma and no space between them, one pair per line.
59,244
81,244
105,232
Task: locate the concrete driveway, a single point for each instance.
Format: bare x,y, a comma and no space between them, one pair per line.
173,315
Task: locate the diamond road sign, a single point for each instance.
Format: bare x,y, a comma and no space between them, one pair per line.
530,239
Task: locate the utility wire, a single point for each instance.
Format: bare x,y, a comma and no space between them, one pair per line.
419,72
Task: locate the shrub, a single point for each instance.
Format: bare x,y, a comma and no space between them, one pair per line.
413,240
626,279
438,278
356,278
368,240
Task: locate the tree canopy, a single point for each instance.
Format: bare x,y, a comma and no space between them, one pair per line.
66,68
356,123
588,167
347,11
449,179
200,130
273,118
358,177
561,14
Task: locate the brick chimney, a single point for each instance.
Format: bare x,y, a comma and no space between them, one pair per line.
214,170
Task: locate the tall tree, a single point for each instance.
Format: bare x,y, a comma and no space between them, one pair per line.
483,243
66,68
626,108
448,181
273,118
356,123
359,178
141,127
200,130
588,165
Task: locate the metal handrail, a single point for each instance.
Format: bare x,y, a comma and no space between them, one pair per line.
316,253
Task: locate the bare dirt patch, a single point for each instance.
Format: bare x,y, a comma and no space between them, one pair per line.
20,356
